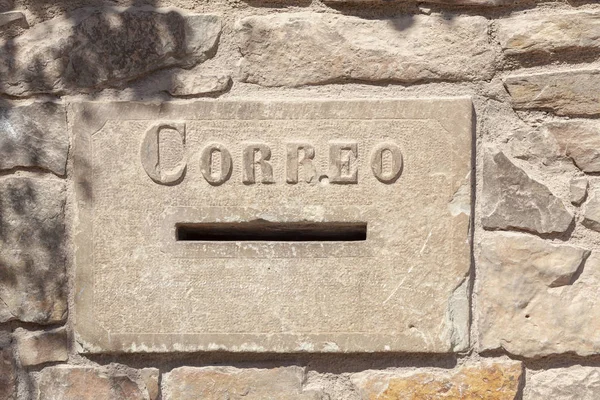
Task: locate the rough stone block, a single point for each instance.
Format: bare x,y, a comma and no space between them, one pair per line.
484,3
11,16
571,383
591,215
32,251
578,140
307,48
97,48
536,298
34,135
578,187
490,380
8,375
571,92
215,383
550,34
35,348
65,382
273,226
511,199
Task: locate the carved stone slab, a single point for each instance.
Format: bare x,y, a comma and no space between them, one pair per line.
273,226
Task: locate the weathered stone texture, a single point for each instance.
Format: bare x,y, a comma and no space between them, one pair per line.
11,16
536,298
578,140
87,383
32,253
572,92
303,49
40,347
591,216
150,377
491,380
34,135
8,375
450,2
571,383
511,199
216,383
578,187
95,48
550,34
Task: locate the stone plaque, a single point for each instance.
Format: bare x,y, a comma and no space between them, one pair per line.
273,226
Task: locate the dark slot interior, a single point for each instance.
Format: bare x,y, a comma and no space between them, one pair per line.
272,231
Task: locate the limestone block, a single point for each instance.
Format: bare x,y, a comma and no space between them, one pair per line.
34,135
552,33
151,376
8,375
536,298
307,48
189,85
40,347
215,383
96,48
490,379
451,2
570,92
578,187
11,16
66,382
269,254
32,251
511,199
591,216
572,383
578,140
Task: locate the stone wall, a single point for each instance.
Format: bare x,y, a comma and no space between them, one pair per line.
532,71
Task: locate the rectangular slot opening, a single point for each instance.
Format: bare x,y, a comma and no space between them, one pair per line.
264,231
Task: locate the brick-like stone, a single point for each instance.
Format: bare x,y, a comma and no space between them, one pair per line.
96,48
536,298
591,216
32,250
579,141
215,383
491,380
8,375
65,382
572,92
35,348
572,383
34,135
578,187
555,33
306,48
511,199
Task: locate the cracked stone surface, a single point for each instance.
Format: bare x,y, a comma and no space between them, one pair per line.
535,298
511,199
579,141
32,250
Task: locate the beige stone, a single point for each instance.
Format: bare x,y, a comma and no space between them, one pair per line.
511,199
578,140
104,47
490,380
450,2
40,347
591,216
8,375
215,383
308,48
11,16
568,92
552,33
249,235
535,298
32,250
189,85
578,187
65,382
34,135
572,383
151,377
